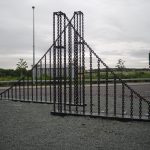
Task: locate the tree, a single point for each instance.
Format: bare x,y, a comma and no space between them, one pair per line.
120,64
22,67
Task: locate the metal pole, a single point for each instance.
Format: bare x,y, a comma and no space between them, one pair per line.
149,59
33,45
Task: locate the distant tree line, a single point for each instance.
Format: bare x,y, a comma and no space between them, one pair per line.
11,72
20,70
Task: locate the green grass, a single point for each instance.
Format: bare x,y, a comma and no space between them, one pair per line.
123,75
8,78
134,74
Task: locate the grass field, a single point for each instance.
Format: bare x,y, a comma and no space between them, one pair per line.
123,75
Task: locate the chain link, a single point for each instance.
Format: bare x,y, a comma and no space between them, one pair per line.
98,75
83,65
91,101
54,60
70,65
60,77
131,104
65,75
123,102
76,62
140,108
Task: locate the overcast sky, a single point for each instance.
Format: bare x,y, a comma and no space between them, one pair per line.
113,28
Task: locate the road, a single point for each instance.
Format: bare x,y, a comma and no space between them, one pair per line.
44,94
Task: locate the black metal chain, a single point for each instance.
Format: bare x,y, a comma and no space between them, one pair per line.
76,62
106,92
80,56
70,65
65,75
12,93
83,65
91,100
115,96
123,101
41,88
98,82
54,63
50,76
60,62
131,104
140,108
45,78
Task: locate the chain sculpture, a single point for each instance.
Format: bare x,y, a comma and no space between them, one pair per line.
73,78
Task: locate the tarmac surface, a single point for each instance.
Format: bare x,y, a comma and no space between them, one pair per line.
28,126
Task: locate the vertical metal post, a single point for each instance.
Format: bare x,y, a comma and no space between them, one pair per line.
91,99
79,60
123,105
7,94
19,90
1,96
24,97
45,80
65,75
140,108
115,96
99,88
83,65
36,81
28,86
70,64
41,80
54,60
106,91
76,61
131,104
12,92
149,60
15,91
80,57
33,73
32,86
60,51
50,78
58,61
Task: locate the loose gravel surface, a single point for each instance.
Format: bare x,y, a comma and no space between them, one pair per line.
28,126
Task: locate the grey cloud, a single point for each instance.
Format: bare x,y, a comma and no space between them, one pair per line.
140,53
113,28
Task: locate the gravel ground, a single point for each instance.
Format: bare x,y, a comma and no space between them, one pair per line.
28,126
